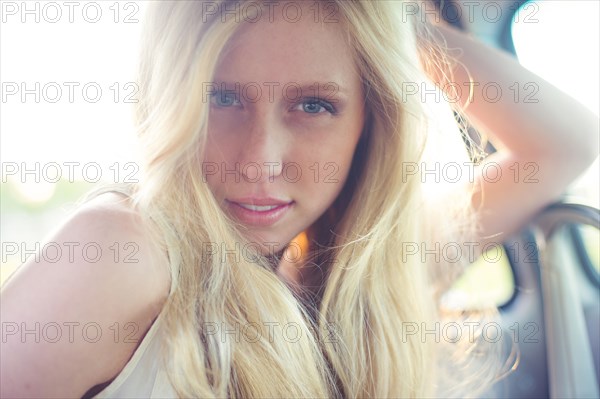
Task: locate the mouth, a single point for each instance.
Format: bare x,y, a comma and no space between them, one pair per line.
258,208
259,212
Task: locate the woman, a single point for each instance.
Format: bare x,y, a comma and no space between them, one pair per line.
285,148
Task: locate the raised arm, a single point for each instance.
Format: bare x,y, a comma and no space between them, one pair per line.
544,138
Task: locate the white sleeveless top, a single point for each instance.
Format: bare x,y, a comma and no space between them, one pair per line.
143,376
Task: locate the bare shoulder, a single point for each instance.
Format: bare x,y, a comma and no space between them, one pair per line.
74,320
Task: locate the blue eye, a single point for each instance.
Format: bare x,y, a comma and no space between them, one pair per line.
317,106
224,99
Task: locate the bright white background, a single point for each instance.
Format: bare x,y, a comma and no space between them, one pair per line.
103,53
33,49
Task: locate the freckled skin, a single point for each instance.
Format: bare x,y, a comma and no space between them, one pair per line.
287,131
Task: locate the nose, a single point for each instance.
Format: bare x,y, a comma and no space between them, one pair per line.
262,153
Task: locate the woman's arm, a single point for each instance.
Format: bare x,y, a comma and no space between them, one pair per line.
65,318
544,141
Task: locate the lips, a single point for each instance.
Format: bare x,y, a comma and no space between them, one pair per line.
259,211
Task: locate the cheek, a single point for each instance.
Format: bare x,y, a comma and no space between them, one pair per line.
335,158
216,157
328,169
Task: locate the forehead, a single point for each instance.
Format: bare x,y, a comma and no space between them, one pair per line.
279,50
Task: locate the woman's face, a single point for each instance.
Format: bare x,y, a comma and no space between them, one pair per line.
286,114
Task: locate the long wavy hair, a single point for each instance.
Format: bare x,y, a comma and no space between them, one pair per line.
350,324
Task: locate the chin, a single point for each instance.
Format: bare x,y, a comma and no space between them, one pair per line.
268,243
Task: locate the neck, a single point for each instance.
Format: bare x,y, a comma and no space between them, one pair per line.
275,258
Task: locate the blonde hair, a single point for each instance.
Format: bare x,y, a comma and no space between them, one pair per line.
351,332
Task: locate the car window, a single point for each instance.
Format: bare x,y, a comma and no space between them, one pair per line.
489,281
559,40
